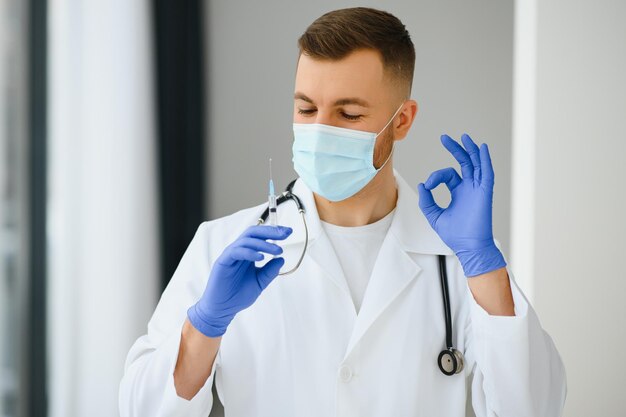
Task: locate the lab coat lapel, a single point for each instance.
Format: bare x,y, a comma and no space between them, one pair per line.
394,268
320,249
393,271
323,253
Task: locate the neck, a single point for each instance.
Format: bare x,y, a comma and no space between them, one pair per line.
369,205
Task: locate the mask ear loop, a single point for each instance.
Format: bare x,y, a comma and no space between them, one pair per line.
393,146
389,157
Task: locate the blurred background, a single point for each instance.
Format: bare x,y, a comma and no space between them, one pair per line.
125,124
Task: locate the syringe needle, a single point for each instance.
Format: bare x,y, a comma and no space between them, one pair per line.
271,169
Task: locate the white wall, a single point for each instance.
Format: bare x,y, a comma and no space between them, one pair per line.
14,214
576,65
103,276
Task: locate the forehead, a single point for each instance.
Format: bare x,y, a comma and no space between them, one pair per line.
360,74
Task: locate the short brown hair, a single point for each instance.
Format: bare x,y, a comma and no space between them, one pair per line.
336,34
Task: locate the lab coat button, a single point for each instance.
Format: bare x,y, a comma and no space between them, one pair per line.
345,373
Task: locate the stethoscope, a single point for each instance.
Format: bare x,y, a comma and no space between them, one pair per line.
450,360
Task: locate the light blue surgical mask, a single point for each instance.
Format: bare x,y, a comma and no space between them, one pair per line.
335,162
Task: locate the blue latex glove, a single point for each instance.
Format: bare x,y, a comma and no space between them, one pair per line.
235,282
465,225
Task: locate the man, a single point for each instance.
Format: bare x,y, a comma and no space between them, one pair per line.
357,329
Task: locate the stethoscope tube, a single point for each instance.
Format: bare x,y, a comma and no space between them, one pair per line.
450,360
443,276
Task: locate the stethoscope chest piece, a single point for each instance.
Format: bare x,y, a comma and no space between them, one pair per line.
450,361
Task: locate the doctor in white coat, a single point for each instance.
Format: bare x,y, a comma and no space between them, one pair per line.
357,329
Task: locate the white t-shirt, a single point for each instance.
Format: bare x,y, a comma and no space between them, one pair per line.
357,249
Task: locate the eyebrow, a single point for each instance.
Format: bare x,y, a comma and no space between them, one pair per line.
340,102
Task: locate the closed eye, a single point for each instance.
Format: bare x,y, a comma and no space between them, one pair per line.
308,112
350,116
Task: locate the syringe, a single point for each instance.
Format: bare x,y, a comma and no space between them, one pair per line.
272,201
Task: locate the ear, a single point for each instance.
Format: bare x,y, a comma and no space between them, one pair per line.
403,123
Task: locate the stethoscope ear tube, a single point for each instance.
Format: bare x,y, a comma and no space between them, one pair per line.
286,196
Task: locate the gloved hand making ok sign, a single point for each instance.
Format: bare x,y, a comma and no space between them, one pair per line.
235,282
465,225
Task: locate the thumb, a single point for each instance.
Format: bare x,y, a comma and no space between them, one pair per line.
269,271
427,204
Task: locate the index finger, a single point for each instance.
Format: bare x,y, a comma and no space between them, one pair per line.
267,232
461,155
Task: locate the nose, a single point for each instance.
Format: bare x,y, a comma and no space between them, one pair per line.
323,117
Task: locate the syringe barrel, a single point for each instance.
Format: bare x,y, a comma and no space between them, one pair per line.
273,217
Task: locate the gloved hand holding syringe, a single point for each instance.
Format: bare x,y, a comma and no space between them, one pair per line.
235,281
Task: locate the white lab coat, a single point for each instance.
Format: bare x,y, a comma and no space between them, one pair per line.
301,349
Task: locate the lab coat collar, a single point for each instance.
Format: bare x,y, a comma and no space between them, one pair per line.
409,232
409,225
